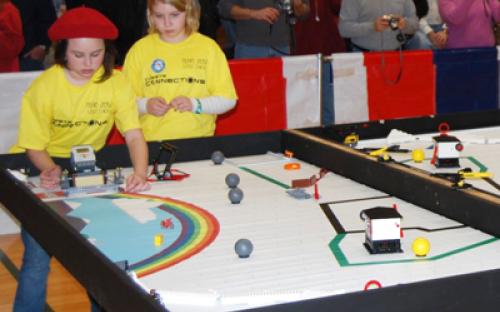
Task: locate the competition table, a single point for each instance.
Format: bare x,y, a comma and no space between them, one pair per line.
308,253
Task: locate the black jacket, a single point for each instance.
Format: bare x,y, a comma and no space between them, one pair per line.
422,8
37,16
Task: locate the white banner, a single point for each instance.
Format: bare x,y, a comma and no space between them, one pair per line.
12,87
303,99
349,88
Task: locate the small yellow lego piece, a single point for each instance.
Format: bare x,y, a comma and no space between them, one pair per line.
351,140
379,152
158,240
476,175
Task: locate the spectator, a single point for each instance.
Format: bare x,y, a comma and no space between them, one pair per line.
431,33
36,16
319,32
366,23
11,37
263,29
181,76
470,22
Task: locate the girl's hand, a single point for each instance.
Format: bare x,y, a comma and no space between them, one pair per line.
157,106
182,104
50,178
136,183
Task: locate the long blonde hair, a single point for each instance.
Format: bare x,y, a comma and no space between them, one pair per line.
191,7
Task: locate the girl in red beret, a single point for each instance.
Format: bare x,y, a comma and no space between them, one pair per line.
75,102
181,76
11,37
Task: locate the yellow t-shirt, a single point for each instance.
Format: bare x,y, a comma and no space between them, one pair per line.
195,68
56,115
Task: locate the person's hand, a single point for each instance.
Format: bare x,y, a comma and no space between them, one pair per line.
50,178
381,24
182,104
402,22
438,39
136,183
157,106
269,15
37,53
300,8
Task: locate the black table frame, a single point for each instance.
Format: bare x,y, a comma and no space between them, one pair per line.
319,146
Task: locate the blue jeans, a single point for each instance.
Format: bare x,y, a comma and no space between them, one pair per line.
244,51
420,41
32,281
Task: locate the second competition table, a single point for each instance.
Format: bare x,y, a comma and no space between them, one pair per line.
308,253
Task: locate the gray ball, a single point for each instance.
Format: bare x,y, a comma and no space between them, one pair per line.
235,195
243,248
217,157
232,180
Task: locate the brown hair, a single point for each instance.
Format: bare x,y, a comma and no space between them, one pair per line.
191,7
60,48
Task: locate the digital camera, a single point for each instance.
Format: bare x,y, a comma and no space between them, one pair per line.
285,6
392,20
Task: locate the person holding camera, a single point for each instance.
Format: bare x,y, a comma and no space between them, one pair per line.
377,25
264,28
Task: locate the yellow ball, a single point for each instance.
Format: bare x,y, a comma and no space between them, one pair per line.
421,246
418,155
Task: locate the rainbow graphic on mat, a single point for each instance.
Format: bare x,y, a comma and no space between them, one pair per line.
124,226
199,229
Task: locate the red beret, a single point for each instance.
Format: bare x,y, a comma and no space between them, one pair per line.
82,22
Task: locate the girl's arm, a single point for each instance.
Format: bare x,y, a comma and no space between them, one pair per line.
138,151
50,173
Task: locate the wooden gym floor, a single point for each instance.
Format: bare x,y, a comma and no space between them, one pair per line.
64,293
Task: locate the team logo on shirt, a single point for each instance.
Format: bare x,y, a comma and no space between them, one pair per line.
61,123
158,65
